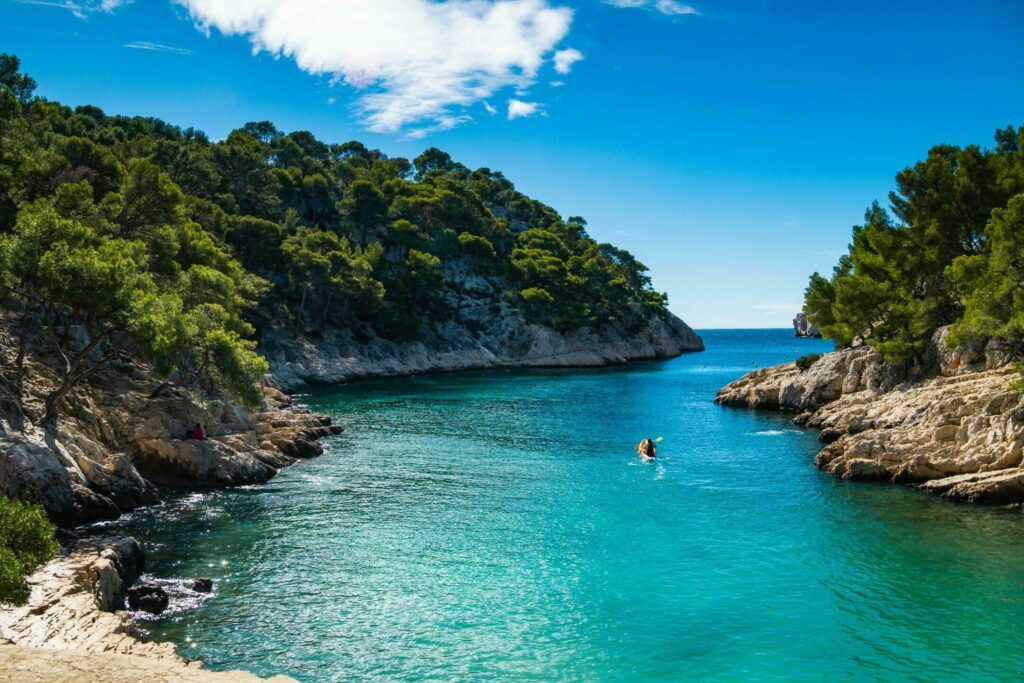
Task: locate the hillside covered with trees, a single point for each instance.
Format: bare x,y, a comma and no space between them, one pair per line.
950,251
130,237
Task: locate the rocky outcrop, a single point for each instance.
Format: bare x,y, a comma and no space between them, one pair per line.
802,327
949,423
501,340
74,627
77,602
116,448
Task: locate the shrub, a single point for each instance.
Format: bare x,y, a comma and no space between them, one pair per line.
27,539
807,361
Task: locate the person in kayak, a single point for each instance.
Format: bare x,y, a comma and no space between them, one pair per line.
647,448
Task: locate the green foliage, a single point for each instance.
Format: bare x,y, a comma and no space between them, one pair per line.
948,253
180,251
991,282
537,304
805,362
26,541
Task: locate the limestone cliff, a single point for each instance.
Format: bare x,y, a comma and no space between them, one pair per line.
501,339
949,423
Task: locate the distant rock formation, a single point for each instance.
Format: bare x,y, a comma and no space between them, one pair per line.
502,339
805,328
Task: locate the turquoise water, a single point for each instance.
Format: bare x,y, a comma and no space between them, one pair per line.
496,526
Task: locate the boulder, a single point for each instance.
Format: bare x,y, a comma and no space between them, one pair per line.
148,597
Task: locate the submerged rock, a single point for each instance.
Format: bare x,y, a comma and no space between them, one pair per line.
949,424
203,585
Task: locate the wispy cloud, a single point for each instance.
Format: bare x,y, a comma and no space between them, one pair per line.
156,47
518,109
80,8
490,108
444,123
415,61
667,7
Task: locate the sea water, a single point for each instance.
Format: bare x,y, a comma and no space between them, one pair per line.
499,526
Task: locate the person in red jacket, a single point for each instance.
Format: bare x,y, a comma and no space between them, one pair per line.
197,433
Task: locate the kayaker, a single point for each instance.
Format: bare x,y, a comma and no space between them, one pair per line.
647,448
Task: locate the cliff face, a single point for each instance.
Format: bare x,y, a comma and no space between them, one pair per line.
950,424
501,339
115,448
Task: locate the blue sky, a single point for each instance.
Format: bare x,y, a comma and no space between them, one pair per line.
729,144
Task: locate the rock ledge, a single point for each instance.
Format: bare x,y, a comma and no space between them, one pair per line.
949,424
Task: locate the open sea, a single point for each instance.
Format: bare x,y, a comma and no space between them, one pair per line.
499,526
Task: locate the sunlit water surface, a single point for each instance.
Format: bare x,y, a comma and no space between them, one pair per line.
497,526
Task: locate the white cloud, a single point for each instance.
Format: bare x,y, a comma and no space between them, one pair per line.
519,109
669,7
490,108
414,60
80,8
564,59
156,47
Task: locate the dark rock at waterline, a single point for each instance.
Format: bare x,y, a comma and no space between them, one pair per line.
203,585
830,435
298,447
148,598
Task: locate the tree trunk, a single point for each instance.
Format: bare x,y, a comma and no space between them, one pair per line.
71,377
302,305
344,309
327,308
19,362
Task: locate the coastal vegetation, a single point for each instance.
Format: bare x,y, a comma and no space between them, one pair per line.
948,251
805,362
27,539
129,238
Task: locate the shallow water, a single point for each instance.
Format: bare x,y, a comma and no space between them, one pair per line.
497,526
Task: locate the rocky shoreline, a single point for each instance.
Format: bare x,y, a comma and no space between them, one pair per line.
74,624
949,423
75,621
